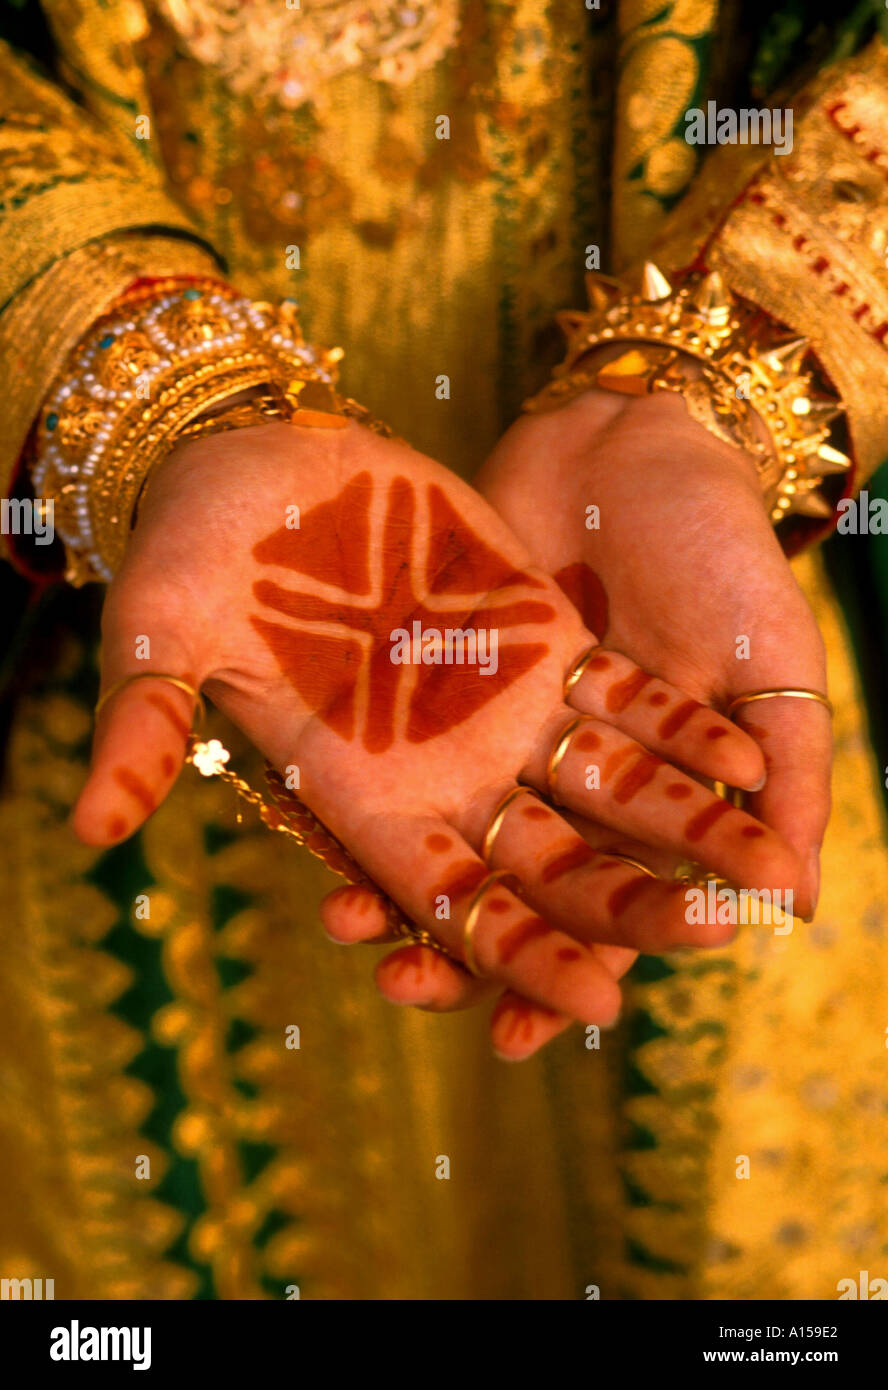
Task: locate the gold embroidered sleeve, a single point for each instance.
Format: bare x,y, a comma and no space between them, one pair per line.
804,236
79,221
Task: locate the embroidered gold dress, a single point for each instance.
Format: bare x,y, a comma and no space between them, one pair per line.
426,180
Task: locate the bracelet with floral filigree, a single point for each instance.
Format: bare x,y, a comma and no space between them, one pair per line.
161,358
742,375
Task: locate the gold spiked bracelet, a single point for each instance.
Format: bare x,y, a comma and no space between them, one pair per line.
157,362
720,354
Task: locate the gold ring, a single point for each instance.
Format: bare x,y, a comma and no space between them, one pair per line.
577,667
472,915
556,757
773,694
154,676
495,824
627,859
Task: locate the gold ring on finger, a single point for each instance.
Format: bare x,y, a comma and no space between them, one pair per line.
495,824
472,915
797,693
627,859
556,757
197,698
577,668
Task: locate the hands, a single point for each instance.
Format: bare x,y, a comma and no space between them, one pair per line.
684,575
294,634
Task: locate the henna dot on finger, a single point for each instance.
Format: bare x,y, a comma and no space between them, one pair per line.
438,843
168,764
752,832
659,697
587,741
536,813
679,791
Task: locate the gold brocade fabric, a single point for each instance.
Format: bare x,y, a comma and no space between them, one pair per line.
158,1138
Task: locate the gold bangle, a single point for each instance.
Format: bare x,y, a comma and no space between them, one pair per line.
473,912
746,377
791,694
153,676
556,757
150,370
495,823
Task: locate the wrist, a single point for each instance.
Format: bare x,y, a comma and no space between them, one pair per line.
739,377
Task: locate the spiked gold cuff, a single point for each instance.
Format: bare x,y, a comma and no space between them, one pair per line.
744,373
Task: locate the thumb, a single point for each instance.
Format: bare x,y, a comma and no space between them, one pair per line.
141,735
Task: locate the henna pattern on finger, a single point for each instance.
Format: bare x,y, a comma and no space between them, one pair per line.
617,759
700,824
462,880
410,958
623,897
333,544
622,693
166,707
132,783
520,1025
519,936
642,771
677,718
564,863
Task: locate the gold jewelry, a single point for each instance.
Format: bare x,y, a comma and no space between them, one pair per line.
695,876
743,374
627,859
112,690
155,364
289,815
791,694
578,667
556,757
473,913
495,824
